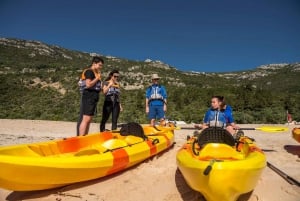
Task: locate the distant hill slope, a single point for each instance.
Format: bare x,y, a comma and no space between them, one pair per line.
39,81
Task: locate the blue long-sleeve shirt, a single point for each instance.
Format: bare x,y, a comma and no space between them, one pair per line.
218,118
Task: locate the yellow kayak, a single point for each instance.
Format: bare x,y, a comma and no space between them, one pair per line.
217,167
55,163
296,134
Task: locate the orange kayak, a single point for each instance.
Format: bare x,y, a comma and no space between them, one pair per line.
296,134
56,163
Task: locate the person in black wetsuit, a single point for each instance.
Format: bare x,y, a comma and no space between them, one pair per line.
112,104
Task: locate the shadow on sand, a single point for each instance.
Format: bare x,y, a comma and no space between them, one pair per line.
188,194
59,192
293,149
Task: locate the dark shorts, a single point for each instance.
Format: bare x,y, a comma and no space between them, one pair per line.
156,112
89,103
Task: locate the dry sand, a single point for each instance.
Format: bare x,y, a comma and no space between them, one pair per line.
156,179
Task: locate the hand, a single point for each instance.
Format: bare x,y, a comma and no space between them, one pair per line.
235,127
98,76
110,83
204,126
147,109
197,126
165,107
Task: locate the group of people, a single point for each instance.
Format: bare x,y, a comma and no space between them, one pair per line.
218,115
91,85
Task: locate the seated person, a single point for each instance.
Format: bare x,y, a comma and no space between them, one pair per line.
216,116
225,107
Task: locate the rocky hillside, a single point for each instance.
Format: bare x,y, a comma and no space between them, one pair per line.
39,81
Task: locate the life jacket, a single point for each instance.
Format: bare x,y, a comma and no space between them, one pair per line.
113,90
156,93
113,93
82,82
217,118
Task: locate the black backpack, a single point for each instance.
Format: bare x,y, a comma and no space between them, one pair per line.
134,129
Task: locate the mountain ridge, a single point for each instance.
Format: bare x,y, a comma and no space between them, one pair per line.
50,70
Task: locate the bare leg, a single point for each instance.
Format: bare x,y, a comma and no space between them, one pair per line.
152,122
162,122
80,116
88,128
85,125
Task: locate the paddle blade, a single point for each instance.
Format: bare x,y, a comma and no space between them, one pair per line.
272,129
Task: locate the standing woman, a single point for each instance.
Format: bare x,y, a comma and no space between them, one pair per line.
91,84
112,104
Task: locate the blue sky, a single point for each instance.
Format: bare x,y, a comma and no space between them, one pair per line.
198,35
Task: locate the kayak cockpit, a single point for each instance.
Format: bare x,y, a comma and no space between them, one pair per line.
77,146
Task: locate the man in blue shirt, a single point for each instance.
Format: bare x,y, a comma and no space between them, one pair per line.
156,101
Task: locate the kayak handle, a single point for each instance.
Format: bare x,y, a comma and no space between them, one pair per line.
155,141
209,167
194,149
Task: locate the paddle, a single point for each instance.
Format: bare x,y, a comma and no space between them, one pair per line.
263,128
268,129
189,128
195,127
289,179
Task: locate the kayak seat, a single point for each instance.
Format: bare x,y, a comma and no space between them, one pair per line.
130,139
215,135
219,151
20,151
114,143
87,152
110,144
149,130
91,150
46,149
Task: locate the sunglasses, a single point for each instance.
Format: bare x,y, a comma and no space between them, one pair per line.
116,76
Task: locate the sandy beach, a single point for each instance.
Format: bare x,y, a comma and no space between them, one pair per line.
158,178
